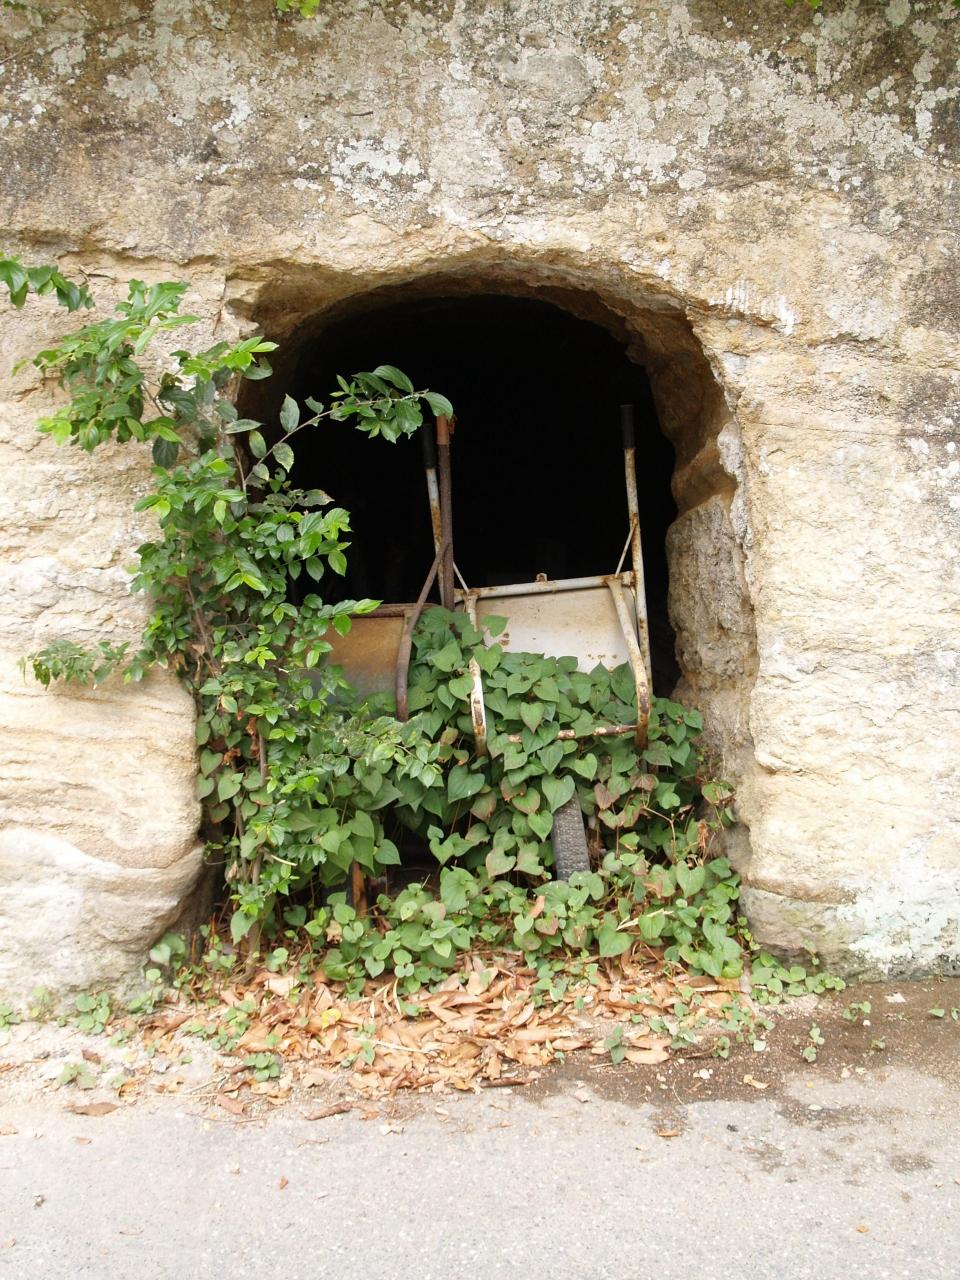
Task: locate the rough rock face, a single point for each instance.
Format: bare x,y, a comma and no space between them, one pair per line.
98,821
762,199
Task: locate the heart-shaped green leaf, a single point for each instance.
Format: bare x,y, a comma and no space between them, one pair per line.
612,941
528,861
228,786
547,689
586,766
499,863
558,791
657,753
651,925
529,802
460,686
449,658
541,823
690,879
531,713
462,782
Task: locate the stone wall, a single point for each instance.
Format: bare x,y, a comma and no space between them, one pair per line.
764,199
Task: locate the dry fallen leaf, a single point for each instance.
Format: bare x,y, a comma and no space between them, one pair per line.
668,1133
335,1109
92,1108
754,1084
310,1079
170,1022
90,1056
7,1244
84,1142
233,1105
646,1057
284,1182
862,1229
281,984
8,1130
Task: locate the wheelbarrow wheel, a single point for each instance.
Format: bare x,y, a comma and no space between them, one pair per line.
569,839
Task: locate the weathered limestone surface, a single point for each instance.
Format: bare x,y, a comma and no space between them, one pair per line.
766,200
98,821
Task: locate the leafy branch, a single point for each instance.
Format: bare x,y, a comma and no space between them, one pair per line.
20,281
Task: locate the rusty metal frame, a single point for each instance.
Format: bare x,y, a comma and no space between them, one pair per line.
636,549
429,445
638,663
406,639
633,623
636,657
444,432
478,711
544,586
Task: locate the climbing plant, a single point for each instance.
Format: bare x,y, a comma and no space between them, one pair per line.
496,809
282,755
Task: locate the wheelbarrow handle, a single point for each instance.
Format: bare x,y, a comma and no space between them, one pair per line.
429,445
626,426
406,638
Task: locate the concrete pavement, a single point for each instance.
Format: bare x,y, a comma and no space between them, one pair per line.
833,1170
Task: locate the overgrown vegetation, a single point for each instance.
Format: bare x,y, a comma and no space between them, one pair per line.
299,779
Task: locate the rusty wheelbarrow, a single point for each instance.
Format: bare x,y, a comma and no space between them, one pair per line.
600,619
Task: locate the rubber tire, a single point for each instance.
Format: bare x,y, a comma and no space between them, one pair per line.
569,838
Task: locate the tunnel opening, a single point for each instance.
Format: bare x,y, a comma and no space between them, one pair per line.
537,461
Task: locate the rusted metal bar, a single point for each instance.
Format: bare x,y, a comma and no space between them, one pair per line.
478,712
633,511
388,611
626,548
601,731
406,640
358,889
358,880
429,445
444,429
547,586
637,662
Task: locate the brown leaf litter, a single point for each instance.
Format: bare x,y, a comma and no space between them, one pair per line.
482,1027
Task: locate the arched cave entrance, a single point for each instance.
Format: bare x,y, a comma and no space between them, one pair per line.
537,361
538,473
